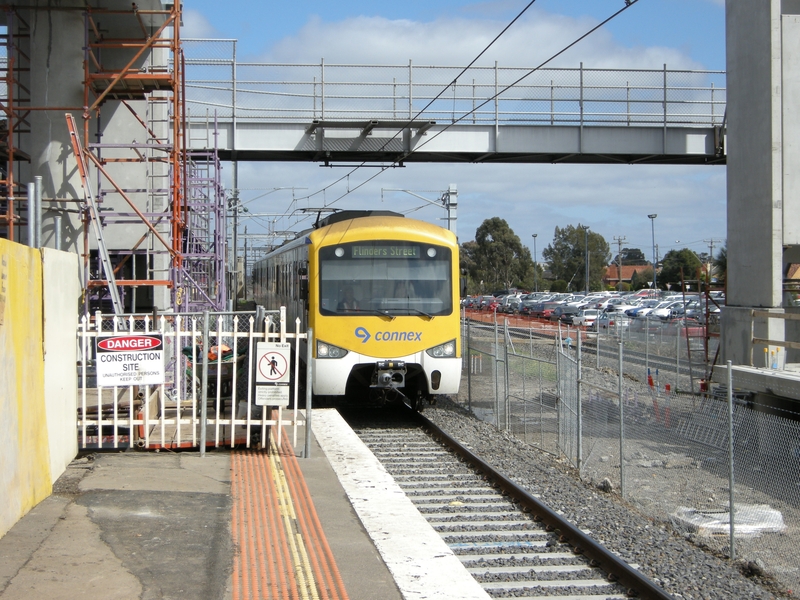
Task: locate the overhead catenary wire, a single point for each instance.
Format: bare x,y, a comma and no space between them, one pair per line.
516,82
430,102
346,176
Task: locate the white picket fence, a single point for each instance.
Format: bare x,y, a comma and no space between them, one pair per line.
181,412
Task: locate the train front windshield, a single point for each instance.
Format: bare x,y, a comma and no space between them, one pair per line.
385,277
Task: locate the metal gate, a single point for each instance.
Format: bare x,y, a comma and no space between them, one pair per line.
206,398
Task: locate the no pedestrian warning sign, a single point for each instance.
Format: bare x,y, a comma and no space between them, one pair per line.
272,373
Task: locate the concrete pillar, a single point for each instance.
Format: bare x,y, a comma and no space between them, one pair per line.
763,152
56,76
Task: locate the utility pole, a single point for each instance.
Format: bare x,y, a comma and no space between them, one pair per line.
711,244
655,259
244,268
535,274
620,240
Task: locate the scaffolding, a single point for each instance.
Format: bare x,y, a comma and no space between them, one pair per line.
15,104
152,215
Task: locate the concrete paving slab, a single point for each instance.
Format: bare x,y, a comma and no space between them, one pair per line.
126,525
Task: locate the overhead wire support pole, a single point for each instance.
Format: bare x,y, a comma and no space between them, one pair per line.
448,199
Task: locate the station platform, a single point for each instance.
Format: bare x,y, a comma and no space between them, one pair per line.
232,524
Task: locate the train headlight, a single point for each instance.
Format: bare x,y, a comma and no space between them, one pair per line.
329,350
446,350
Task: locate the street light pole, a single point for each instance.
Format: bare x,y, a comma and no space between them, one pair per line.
586,284
535,274
653,230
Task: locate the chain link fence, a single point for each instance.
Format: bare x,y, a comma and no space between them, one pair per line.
640,421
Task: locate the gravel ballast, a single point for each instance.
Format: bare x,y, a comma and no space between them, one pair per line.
681,568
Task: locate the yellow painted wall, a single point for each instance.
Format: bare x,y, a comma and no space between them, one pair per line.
24,456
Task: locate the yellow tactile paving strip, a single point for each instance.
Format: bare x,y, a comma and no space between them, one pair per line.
281,550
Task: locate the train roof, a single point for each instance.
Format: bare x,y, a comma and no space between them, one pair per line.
347,215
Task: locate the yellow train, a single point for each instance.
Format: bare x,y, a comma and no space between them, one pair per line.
381,293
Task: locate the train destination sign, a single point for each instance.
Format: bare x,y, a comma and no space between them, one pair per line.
124,360
385,251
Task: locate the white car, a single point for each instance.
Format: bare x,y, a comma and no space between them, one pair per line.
664,310
612,321
586,317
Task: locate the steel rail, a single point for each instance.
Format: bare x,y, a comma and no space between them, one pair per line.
618,570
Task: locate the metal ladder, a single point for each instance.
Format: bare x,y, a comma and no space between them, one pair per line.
94,215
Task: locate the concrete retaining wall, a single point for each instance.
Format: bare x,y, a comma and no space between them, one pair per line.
38,320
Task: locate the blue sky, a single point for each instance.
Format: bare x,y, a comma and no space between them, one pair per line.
613,200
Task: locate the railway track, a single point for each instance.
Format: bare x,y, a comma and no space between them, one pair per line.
514,546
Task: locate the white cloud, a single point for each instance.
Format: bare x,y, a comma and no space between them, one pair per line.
531,41
195,25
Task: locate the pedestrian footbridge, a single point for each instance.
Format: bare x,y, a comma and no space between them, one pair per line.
333,113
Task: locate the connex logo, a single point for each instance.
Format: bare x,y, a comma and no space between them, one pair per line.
388,336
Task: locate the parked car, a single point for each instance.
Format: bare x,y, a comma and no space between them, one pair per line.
668,309
546,309
683,327
696,309
612,320
645,324
527,307
511,305
644,308
485,301
586,317
564,313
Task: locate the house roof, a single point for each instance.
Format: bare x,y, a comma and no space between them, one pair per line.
627,272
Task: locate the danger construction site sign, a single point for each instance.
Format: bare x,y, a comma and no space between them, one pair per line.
124,360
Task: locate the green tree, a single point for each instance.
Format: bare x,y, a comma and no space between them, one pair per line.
632,256
567,257
467,265
642,279
497,257
671,266
721,264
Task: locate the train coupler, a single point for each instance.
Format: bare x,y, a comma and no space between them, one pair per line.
389,374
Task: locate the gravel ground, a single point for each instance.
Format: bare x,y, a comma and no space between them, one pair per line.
668,558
